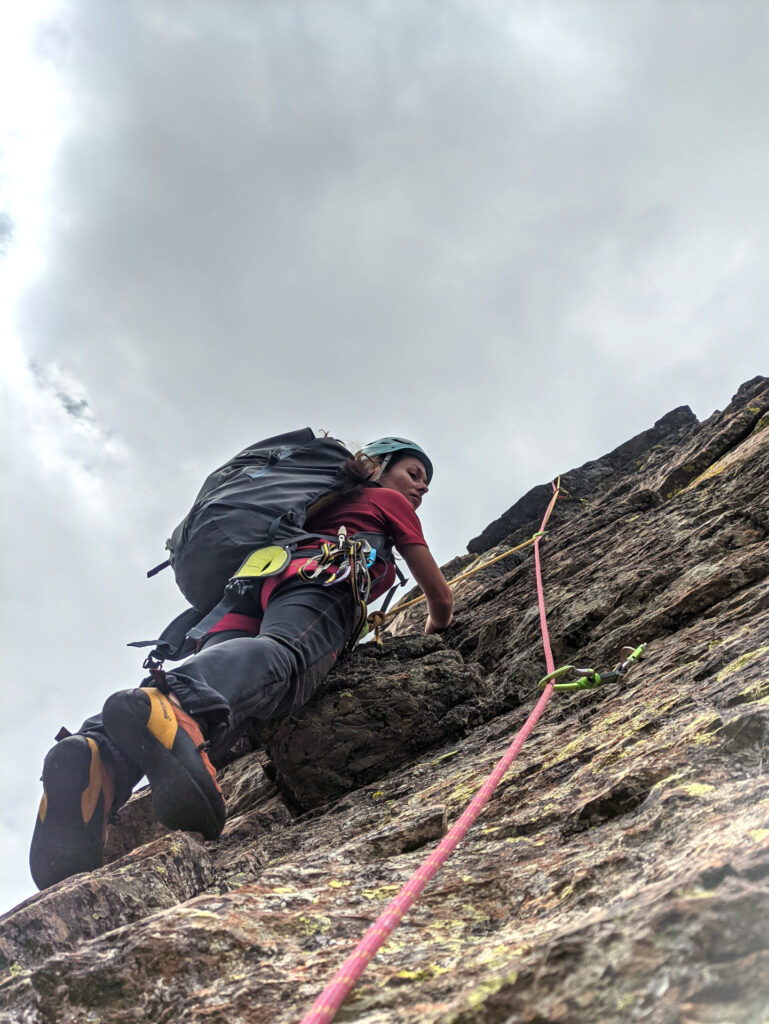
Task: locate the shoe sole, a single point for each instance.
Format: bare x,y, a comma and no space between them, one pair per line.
181,788
62,843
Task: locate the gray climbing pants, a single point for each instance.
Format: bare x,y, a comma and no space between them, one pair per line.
236,677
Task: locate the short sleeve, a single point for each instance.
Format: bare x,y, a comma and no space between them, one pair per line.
402,520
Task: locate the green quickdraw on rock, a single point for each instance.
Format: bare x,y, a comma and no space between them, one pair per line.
588,678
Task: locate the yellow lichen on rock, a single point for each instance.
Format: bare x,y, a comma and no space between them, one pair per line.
698,789
742,662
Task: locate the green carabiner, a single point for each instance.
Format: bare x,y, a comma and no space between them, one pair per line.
586,682
590,679
554,675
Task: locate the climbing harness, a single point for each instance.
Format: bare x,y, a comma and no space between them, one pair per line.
379,619
341,558
588,678
326,1005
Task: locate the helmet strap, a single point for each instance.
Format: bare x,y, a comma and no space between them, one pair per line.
382,467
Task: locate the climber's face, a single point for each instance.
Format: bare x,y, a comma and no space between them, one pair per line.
407,476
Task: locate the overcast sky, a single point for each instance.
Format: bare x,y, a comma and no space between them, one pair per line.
517,232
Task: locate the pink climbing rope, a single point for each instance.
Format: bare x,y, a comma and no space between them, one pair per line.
331,998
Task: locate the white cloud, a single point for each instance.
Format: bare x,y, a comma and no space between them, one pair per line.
59,437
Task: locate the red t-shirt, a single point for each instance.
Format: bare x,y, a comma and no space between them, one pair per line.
376,510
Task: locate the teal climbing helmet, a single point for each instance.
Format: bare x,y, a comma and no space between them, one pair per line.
390,445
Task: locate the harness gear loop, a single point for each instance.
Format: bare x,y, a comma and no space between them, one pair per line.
338,561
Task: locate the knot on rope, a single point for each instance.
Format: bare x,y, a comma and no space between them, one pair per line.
376,621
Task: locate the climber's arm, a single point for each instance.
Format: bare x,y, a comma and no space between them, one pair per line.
427,573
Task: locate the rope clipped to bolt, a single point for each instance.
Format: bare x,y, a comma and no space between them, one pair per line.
328,1002
588,678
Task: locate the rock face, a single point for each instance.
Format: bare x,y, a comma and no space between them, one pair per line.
621,869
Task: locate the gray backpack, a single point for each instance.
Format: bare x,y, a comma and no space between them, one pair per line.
260,497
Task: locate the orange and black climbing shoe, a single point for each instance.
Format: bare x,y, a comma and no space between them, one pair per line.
168,746
78,791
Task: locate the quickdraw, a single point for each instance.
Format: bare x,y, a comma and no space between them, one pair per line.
588,678
336,562
347,559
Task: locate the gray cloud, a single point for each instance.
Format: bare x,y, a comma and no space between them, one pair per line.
49,379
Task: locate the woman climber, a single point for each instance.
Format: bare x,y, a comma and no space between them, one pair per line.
255,664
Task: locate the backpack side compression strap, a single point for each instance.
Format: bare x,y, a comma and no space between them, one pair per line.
172,644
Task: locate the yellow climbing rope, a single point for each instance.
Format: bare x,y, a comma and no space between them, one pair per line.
378,620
